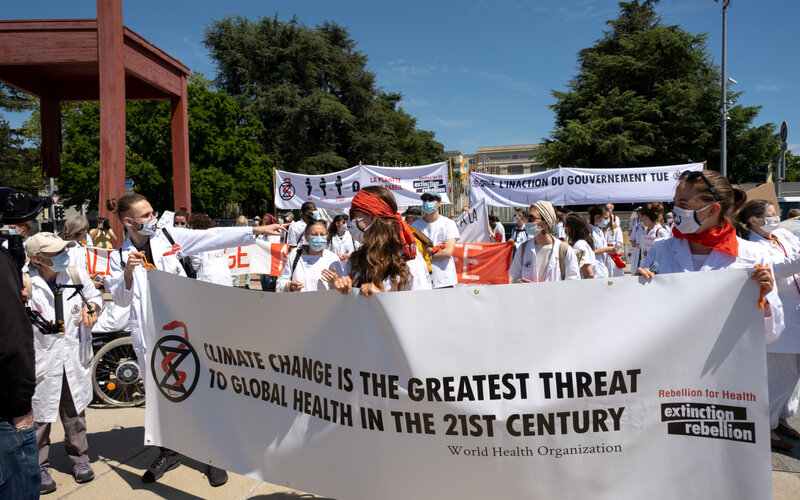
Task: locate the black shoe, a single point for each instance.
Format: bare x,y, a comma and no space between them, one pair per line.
216,476
166,461
82,472
48,485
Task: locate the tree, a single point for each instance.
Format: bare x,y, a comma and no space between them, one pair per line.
648,94
312,92
229,173
19,163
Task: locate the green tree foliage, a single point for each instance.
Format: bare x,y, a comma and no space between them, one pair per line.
648,94
311,90
229,173
19,163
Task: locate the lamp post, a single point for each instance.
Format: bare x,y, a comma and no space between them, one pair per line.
723,154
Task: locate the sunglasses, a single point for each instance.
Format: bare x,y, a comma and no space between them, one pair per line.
690,175
179,223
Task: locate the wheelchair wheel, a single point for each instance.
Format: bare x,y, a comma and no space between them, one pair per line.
115,374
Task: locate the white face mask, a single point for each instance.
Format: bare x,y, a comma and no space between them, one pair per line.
148,228
356,232
686,220
771,223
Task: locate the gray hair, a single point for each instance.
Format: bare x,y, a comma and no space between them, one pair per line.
74,227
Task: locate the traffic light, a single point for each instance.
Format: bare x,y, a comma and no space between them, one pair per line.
58,212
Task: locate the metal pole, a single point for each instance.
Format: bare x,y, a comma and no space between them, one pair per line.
723,156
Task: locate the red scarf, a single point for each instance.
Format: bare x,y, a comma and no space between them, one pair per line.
717,238
371,204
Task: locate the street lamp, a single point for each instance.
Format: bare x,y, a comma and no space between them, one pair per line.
723,154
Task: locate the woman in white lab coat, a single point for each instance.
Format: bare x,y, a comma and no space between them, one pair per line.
540,257
579,236
305,263
147,244
63,360
652,216
614,238
705,240
599,218
759,223
339,240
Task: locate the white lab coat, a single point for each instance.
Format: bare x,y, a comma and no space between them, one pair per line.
524,265
308,270
614,238
648,237
673,255
599,266
191,242
62,352
212,267
789,343
341,245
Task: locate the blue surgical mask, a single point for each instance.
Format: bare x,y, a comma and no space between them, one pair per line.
532,229
428,207
317,243
602,223
12,232
60,262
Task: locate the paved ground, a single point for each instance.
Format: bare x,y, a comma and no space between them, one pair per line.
119,460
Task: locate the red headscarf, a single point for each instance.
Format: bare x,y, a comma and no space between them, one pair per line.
371,204
716,238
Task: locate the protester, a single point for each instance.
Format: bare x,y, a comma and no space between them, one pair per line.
758,221
412,214
579,236
669,222
181,218
23,229
599,218
795,212
542,257
443,234
652,231
339,240
210,266
613,234
76,228
63,361
496,229
102,235
298,227
148,245
242,278
21,474
558,229
304,264
268,281
705,240
634,231
614,218
387,258
518,234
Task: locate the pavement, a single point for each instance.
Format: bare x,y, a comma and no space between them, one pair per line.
119,459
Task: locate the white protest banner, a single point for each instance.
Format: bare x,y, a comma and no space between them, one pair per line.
260,258
473,225
408,183
538,404
333,190
336,190
97,261
578,186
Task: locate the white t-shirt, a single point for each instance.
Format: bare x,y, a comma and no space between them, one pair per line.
294,236
558,231
443,272
588,254
341,245
212,267
420,278
308,270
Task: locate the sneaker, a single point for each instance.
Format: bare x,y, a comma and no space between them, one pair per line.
82,472
48,485
166,461
216,476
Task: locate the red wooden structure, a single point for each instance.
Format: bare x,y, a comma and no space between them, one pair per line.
96,59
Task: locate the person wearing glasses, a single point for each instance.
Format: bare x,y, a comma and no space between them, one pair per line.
705,240
542,257
758,222
149,245
181,218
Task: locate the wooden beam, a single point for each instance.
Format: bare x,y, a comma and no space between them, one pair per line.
180,149
151,71
48,47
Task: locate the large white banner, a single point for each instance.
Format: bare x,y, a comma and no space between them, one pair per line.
260,258
578,186
473,225
336,189
436,394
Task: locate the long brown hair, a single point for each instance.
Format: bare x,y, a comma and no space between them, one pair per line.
577,228
381,255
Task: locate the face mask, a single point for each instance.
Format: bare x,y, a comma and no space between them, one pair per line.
317,243
771,223
316,215
12,232
532,229
148,228
356,232
60,262
602,223
428,207
686,220
669,221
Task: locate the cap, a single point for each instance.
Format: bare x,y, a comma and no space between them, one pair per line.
46,243
415,211
433,193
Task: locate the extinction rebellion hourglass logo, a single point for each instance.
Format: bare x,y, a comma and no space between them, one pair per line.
174,364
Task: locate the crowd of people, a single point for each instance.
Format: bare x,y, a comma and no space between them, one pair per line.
376,249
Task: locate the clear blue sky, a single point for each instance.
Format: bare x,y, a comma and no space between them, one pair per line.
480,73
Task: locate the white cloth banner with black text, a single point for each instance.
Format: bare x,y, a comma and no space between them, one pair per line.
578,186
356,398
336,189
473,225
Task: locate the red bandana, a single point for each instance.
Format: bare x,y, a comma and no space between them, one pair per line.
371,204
717,238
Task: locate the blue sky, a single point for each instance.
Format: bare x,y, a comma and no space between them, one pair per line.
480,73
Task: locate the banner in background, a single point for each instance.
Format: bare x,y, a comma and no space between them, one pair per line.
578,186
261,258
97,261
475,392
483,263
473,225
336,189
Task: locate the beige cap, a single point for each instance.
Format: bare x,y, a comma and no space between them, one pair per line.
46,243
